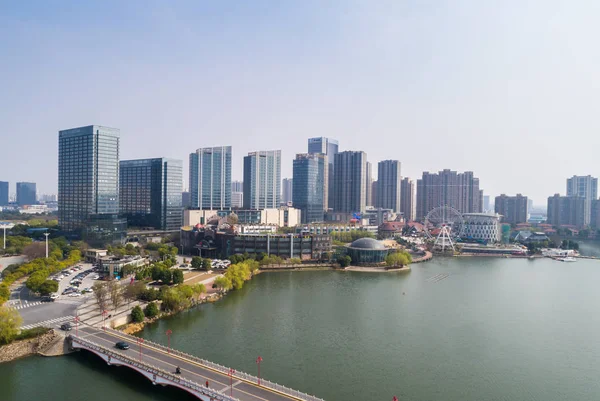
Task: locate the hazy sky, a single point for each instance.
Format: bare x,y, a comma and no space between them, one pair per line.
507,89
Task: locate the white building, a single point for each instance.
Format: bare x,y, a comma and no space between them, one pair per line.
34,209
193,217
481,227
256,229
237,199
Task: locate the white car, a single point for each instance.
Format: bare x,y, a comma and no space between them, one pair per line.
74,294
54,296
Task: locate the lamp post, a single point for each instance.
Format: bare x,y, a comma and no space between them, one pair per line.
258,361
231,372
4,225
77,320
46,234
104,313
169,332
140,342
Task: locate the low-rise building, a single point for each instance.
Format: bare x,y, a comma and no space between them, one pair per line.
481,227
112,266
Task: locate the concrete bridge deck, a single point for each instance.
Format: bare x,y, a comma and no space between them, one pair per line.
158,364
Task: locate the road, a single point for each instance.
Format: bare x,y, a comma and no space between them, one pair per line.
190,370
50,314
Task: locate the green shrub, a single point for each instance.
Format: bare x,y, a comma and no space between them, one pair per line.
151,310
137,315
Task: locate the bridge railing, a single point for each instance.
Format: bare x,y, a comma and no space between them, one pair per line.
225,370
154,370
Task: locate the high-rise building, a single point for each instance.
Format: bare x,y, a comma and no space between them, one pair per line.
566,211
585,187
3,193
150,193
186,199
407,199
512,209
486,204
310,172
210,178
349,189
262,180
389,185
237,200
287,190
329,147
88,184
237,186
448,188
26,193
369,184
374,193
595,219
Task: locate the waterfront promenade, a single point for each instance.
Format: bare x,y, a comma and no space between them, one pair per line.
158,363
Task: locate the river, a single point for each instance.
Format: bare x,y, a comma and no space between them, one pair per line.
453,329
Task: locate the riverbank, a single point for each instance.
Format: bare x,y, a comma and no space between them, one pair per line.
48,344
376,269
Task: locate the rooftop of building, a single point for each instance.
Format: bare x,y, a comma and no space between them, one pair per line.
367,243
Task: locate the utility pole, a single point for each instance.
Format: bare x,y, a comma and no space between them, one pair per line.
4,227
46,234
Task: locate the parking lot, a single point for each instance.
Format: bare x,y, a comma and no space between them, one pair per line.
75,282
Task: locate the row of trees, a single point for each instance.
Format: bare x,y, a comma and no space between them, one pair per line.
397,259
200,263
236,275
38,271
263,259
350,236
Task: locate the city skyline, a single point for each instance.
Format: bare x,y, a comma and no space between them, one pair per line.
452,97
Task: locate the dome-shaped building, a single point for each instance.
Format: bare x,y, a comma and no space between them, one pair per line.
367,250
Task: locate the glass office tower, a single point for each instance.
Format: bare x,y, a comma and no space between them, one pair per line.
310,172
210,178
150,193
262,180
3,193
88,184
389,185
329,147
349,189
26,193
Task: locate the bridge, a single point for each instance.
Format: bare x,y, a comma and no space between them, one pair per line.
158,363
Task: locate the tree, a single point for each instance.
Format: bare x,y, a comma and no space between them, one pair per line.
166,276
198,290
151,310
115,293
395,259
48,287
101,295
177,277
137,315
35,281
133,291
35,250
206,264
197,262
10,321
223,283
344,261
295,261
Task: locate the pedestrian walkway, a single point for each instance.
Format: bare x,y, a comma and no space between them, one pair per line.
49,323
24,305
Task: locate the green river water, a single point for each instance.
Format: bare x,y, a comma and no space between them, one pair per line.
455,329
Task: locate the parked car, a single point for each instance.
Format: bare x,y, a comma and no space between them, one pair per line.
122,345
54,296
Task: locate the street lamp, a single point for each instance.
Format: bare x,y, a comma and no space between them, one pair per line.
4,225
104,313
231,372
46,234
77,320
258,361
140,342
169,332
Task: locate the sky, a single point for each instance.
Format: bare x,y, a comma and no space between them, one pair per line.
508,89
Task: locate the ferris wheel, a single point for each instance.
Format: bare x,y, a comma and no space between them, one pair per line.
443,225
